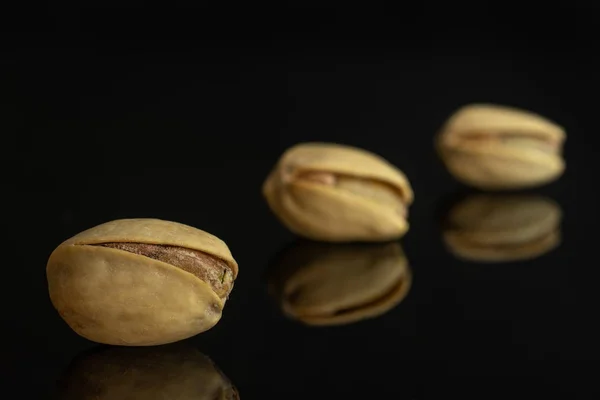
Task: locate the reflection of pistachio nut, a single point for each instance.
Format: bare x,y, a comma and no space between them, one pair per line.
503,228
338,193
326,284
498,148
141,282
149,373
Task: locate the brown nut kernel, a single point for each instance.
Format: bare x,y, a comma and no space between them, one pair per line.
211,270
140,282
174,371
338,193
327,284
501,148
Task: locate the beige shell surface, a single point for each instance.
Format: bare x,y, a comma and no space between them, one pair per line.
504,153
503,227
322,212
343,160
490,168
346,286
490,119
115,297
150,373
155,231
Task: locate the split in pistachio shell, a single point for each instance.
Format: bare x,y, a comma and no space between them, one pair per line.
326,284
488,228
499,148
337,193
141,282
150,373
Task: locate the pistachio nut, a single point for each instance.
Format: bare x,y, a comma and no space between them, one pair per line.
338,193
173,371
336,284
140,282
487,228
494,147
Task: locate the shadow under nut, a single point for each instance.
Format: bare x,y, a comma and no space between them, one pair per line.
497,228
149,373
320,284
354,312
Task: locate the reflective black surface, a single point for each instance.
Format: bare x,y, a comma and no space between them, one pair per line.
172,371
188,132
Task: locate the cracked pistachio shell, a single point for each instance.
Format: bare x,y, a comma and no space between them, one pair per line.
338,193
149,373
112,296
494,228
323,284
495,147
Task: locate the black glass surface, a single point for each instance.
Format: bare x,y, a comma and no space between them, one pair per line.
188,130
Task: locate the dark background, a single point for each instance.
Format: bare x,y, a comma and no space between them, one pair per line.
181,115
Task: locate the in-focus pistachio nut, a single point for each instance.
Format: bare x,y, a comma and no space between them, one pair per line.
488,228
140,282
501,148
338,193
150,373
327,284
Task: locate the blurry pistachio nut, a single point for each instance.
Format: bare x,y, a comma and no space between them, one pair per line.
140,282
337,193
487,228
149,373
326,284
501,148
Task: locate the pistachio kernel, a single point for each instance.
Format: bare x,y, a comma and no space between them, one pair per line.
210,269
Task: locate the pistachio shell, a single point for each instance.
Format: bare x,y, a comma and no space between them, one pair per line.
155,231
321,284
347,203
149,373
117,297
497,147
494,119
503,228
